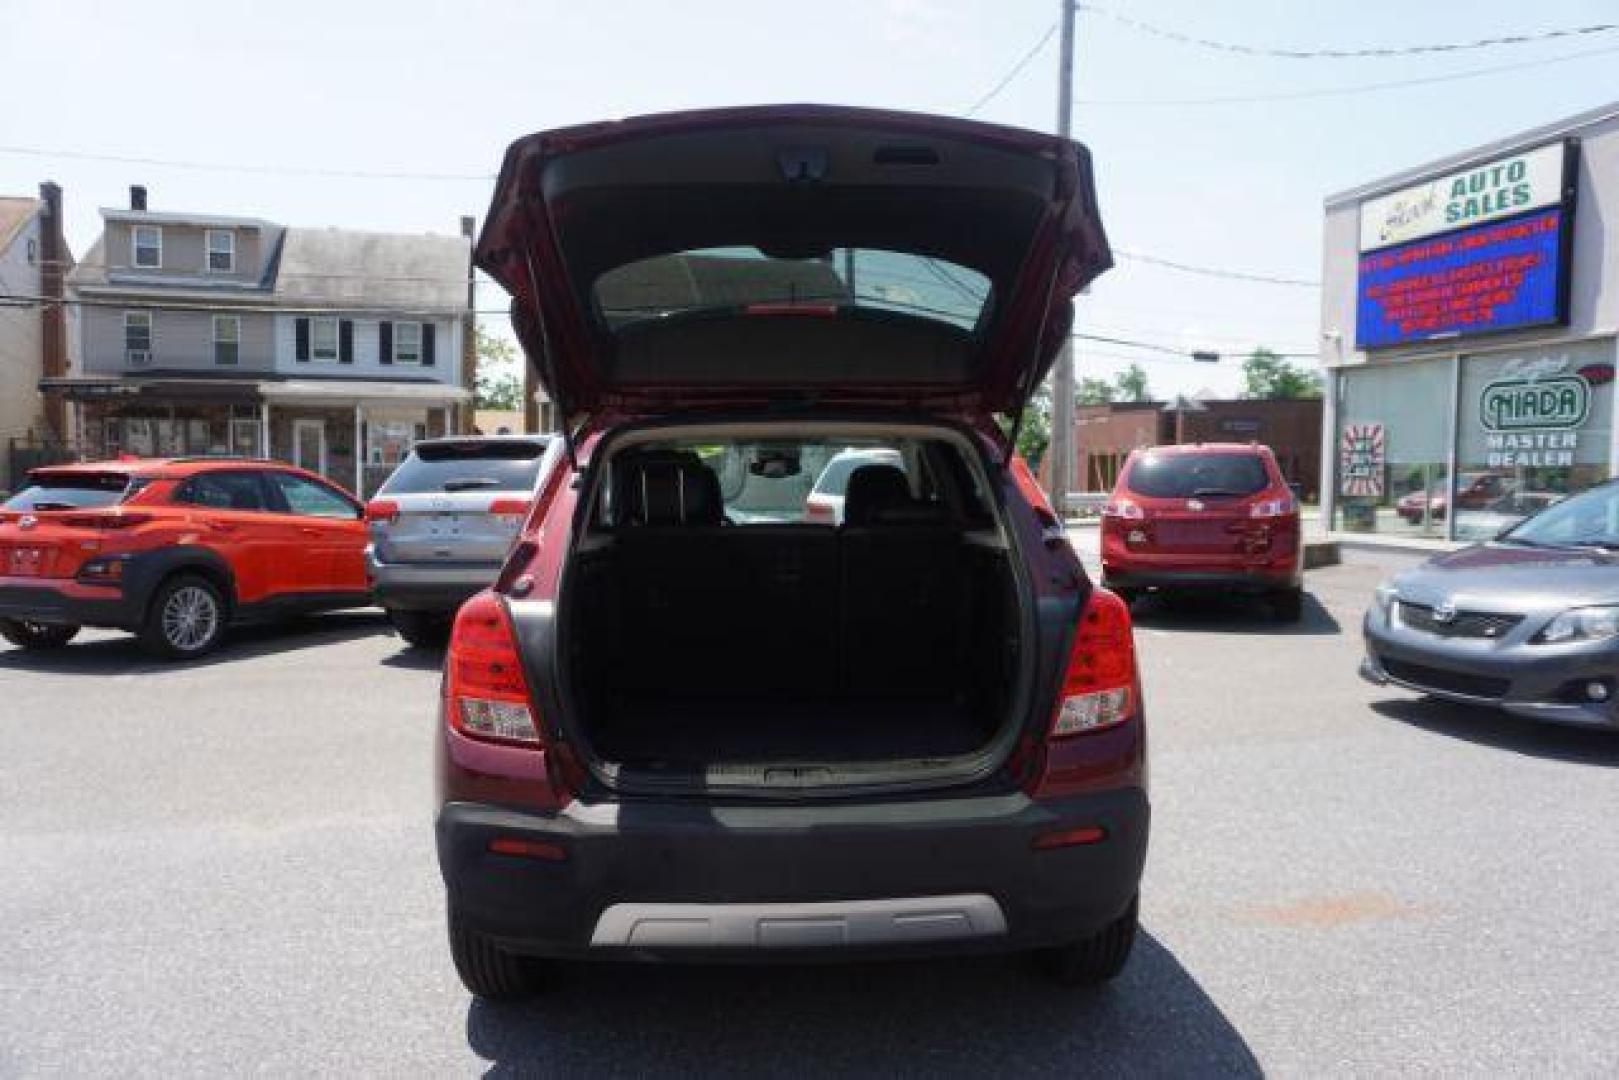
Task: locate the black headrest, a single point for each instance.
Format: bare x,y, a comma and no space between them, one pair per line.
670,489
873,489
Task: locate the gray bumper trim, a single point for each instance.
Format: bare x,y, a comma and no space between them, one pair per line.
787,926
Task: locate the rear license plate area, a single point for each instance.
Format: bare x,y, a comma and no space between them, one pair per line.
26,561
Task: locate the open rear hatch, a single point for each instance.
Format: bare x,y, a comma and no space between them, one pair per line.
842,255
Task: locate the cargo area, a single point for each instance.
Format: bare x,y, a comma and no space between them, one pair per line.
704,635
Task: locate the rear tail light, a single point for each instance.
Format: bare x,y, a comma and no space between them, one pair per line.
512,510
1273,508
486,694
384,511
1123,509
1099,687
109,520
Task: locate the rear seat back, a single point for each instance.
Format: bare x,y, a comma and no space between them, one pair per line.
806,610
903,588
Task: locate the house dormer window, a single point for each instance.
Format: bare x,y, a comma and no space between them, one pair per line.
147,241
221,251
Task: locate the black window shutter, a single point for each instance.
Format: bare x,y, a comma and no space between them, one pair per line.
385,342
427,343
345,341
302,354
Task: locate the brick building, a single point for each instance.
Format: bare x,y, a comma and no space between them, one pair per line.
1104,435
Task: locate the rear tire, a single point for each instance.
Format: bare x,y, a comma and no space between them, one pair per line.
185,620
421,629
1096,959
26,634
1288,605
487,971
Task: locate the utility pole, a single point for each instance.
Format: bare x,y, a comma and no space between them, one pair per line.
1062,383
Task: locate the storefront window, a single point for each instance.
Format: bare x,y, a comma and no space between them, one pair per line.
1535,427
1394,447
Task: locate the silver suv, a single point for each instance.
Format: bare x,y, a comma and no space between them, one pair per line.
443,522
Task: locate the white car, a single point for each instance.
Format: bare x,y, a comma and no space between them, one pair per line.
824,506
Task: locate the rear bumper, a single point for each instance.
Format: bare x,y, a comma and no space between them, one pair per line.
1237,579
426,586
751,882
1525,680
57,600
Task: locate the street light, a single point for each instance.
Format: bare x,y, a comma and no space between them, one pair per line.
1205,356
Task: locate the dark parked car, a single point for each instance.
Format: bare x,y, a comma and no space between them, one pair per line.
672,731
1528,622
1205,516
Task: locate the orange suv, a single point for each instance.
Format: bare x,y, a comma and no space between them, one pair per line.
174,550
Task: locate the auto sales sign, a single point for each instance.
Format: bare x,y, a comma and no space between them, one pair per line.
1479,250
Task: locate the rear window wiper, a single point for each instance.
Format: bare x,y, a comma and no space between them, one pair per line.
1213,492
471,482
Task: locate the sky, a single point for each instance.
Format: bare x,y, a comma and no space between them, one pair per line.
432,92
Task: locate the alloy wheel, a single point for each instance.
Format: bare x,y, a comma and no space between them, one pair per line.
190,618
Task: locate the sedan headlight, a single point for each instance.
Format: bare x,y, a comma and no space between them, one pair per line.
1583,624
1385,596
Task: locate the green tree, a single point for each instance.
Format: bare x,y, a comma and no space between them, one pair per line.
1093,391
500,378
1132,384
1035,434
1266,375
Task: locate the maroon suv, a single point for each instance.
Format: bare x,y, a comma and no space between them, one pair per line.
1205,516
688,722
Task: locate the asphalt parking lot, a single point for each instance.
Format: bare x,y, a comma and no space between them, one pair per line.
227,867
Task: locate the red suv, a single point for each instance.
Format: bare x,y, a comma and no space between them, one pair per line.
693,720
174,550
1206,516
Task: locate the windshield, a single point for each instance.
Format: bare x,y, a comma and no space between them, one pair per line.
724,279
1185,476
1587,520
73,491
468,466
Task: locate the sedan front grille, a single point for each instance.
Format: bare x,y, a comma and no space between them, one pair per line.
1423,677
1465,624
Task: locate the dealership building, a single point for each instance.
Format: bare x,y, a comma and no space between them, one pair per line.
1468,320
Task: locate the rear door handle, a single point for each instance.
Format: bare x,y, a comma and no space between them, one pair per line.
221,526
309,530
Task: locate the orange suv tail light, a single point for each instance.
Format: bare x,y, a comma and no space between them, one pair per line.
486,694
1099,687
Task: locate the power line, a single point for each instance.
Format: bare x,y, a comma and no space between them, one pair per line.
1374,52
266,170
1349,90
1214,271
1014,72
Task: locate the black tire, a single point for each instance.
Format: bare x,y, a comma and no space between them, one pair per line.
186,618
422,629
26,634
485,970
1288,605
1128,595
1096,959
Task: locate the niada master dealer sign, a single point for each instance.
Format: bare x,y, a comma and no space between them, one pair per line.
1479,250
1533,414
